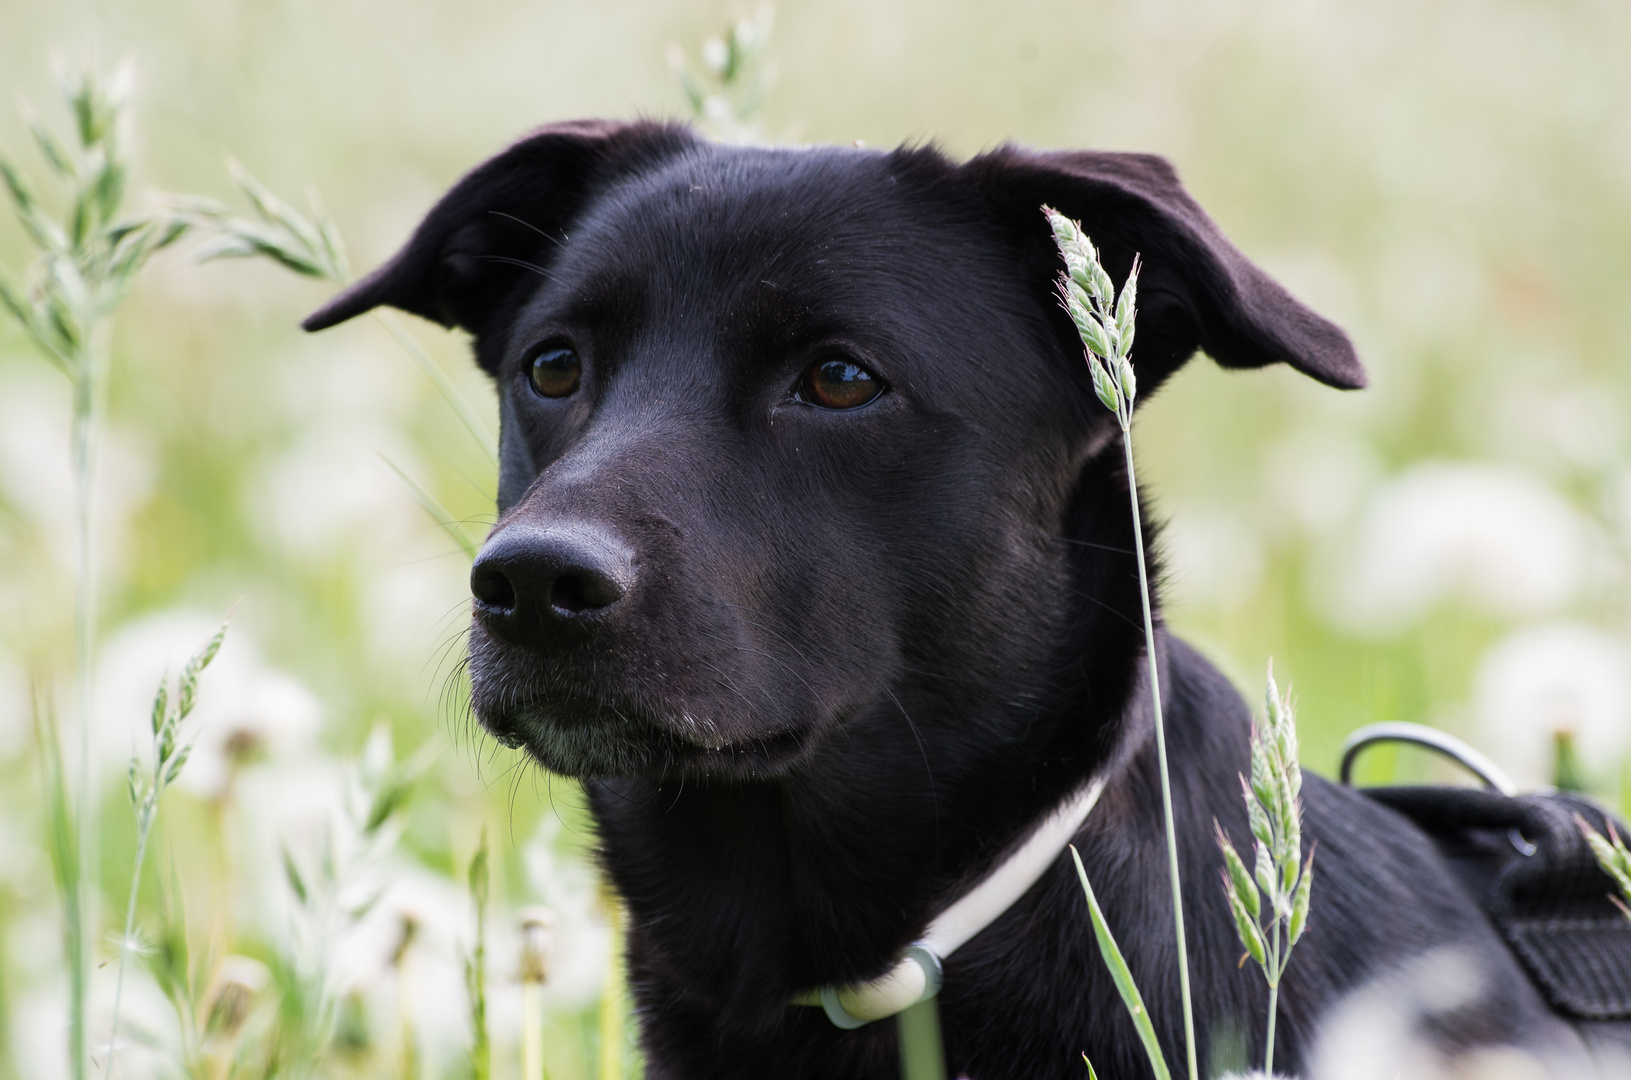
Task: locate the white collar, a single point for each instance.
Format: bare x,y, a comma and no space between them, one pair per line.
916,975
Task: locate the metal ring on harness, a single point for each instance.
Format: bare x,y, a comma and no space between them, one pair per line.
1431,738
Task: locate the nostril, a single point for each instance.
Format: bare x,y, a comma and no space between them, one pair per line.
491,587
568,594
577,590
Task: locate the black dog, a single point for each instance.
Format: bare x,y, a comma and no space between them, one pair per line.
814,561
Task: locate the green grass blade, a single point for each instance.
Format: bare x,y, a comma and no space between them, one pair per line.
65,861
434,508
444,385
1123,976
922,1053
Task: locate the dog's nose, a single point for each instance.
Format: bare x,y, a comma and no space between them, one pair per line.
533,585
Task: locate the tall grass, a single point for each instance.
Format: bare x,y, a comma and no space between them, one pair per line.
1106,326
146,788
310,244
1280,887
85,263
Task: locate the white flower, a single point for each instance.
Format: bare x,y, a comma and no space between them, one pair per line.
330,488
1490,537
1384,1029
298,805
1211,555
1546,678
15,723
715,54
368,956
1319,477
418,609
1579,426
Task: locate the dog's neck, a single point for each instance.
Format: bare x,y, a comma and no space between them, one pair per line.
746,894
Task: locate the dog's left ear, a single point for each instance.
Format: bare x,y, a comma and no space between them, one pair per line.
1196,290
509,214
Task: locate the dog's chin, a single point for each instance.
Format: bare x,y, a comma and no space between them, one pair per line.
613,744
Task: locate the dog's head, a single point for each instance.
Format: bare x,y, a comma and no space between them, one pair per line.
794,439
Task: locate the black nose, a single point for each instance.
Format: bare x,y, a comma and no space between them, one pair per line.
534,585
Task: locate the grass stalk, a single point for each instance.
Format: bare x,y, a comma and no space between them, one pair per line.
87,382
84,265
444,386
126,943
1274,1009
1105,323
1280,887
66,864
1161,755
431,505
169,758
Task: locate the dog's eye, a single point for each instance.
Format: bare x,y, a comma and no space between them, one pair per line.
837,383
554,369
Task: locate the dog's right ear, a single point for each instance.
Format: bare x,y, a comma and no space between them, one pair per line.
1197,290
459,267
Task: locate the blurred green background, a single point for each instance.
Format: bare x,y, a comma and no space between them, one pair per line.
1451,182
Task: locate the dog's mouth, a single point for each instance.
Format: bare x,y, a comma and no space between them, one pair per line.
636,698
591,738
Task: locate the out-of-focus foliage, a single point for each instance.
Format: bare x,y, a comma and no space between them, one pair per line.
1451,182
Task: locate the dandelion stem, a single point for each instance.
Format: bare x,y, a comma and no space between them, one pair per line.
532,1030
1161,754
481,1055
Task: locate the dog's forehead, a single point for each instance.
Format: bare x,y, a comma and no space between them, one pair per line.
760,218
727,194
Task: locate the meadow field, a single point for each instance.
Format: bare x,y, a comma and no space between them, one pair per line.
1450,182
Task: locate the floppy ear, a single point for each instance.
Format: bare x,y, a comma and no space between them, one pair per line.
1195,290
459,268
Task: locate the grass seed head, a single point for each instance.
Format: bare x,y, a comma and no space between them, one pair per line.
1241,881
1104,323
1614,858
1299,906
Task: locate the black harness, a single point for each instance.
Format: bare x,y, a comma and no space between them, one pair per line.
1526,862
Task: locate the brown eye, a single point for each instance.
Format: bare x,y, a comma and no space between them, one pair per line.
838,384
555,370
